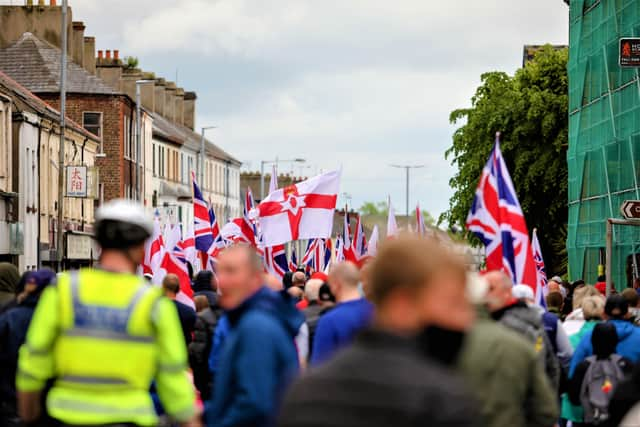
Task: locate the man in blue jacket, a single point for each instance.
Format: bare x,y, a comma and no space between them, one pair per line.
616,310
259,357
353,313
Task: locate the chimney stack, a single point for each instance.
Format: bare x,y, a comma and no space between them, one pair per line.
77,42
116,54
108,53
89,57
190,110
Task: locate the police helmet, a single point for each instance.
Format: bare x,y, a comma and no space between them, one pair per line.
122,224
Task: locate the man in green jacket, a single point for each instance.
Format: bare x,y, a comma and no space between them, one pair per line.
505,373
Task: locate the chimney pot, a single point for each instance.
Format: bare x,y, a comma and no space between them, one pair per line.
116,54
53,2
29,2
108,53
40,2
99,54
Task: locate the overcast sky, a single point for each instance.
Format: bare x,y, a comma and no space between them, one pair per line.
357,83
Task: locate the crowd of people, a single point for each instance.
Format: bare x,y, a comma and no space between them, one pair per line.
407,338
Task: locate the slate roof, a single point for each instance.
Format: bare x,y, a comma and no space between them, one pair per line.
26,100
182,135
35,64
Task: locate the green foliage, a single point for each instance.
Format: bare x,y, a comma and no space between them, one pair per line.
131,62
530,111
373,208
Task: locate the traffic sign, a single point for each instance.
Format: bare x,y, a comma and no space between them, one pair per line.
629,54
630,209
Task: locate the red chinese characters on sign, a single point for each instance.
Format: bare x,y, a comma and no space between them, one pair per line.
76,181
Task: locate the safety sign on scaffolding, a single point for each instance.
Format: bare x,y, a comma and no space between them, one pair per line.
630,209
77,181
629,52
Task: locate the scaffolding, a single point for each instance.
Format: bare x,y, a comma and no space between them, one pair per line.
604,139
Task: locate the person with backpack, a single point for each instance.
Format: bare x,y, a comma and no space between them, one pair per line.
616,311
595,379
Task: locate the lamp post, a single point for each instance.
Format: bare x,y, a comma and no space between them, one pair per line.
63,102
202,153
139,189
273,162
407,168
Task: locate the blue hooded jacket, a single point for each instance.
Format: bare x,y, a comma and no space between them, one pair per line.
628,344
258,361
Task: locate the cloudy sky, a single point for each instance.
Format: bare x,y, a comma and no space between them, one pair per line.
354,83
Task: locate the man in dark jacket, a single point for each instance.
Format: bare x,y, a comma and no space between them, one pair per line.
205,284
14,324
259,357
383,379
527,321
187,315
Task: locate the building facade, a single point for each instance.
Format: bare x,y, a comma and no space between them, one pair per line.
604,138
31,219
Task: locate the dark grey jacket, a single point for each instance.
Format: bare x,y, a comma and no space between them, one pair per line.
381,380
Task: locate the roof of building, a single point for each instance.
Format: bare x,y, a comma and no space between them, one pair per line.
182,135
35,64
26,100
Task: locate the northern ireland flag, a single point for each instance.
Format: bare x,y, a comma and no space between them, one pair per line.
300,211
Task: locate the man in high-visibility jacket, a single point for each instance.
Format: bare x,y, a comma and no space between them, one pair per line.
103,335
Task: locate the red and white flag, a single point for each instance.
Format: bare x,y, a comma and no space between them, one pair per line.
154,248
171,265
420,227
372,248
300,211
392,225
273,182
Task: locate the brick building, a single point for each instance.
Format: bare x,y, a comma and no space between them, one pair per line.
98,107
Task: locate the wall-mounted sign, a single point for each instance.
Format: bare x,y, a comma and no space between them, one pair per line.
629,52
77,181
79,246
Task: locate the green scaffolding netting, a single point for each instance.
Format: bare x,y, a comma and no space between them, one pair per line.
604,137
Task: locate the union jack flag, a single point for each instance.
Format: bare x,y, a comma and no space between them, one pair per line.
541,285
497,219
348,251
359,241
201,220
293,262
275,260
218,242
318,254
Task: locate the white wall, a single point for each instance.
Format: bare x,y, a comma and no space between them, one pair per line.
28,184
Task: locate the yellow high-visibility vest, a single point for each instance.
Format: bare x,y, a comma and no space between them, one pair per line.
104,337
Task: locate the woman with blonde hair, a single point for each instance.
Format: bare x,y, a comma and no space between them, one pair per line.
591,310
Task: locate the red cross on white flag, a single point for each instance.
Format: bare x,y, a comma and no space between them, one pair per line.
300,211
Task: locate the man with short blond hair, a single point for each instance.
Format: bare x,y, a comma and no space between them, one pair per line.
384,379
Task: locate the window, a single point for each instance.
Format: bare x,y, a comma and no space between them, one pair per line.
153,163
92,122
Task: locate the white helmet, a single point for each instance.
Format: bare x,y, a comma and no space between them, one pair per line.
121,224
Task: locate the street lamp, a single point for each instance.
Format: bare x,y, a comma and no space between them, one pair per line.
202,154
273,162
139,188
407,168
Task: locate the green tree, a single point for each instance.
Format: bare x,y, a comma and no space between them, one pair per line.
374,208
530,111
